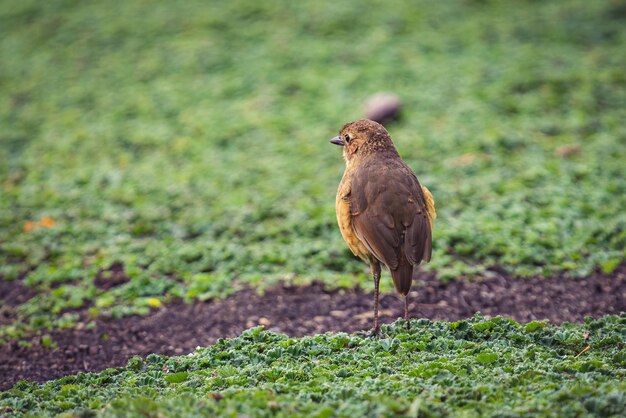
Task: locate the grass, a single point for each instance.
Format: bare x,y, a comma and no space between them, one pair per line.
477,367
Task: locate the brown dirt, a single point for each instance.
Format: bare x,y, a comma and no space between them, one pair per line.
178,328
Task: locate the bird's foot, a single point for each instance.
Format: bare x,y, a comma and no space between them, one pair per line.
375,333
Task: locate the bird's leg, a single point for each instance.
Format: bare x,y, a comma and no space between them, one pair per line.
406,312
376,273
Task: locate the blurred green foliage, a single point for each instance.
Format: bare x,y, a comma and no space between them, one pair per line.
474,368
189,140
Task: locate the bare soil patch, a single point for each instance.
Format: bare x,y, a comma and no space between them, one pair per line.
178,328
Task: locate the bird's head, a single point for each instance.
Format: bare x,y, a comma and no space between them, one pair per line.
363,137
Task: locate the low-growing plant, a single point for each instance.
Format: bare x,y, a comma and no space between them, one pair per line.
475,367
189,145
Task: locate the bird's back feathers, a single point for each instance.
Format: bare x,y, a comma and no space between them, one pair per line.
390,215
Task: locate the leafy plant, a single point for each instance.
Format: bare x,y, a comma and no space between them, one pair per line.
189,144
476,367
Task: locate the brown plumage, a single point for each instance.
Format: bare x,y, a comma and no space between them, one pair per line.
384,214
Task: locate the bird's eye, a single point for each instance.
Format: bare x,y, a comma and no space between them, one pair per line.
347,137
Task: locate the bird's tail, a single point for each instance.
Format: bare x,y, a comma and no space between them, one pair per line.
403,275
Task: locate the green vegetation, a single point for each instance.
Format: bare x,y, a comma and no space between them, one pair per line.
468,368
189,142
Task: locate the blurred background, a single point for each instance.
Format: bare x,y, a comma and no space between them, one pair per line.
181,148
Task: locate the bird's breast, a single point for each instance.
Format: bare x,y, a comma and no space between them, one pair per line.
344,219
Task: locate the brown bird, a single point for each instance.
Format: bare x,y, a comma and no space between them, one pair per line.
384,214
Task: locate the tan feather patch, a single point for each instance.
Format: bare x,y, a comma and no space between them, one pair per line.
430,206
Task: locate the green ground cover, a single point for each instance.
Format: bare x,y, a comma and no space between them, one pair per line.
477,367
190,142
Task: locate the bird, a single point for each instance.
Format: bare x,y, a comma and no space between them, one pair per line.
384,214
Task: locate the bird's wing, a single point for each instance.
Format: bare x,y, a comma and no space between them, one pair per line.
430,205
389,213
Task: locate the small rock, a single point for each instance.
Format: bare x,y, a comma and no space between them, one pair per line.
370,314
382,107
264,321
339,314
318,319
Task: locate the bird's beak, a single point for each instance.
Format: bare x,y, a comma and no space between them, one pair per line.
337,141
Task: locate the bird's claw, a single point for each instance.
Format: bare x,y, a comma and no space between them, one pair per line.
375,333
